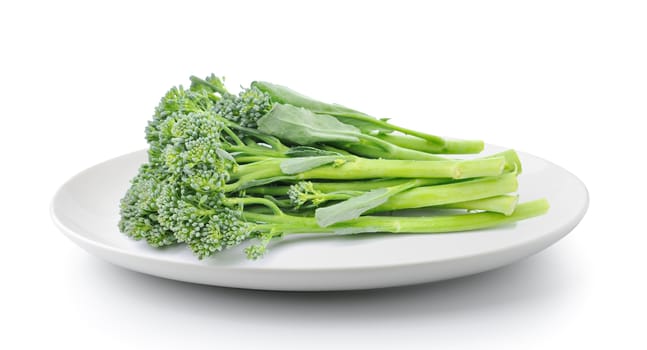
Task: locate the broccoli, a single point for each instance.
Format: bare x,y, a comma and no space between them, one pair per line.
383,196
224,169
265,227
369,125
207,225
278,111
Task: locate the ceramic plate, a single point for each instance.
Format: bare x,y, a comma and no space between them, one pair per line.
86,210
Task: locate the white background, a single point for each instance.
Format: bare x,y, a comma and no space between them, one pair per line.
564,80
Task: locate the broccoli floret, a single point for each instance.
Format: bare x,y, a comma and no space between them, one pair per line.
246,108
303,192
200,221
139,209
176,103
207,231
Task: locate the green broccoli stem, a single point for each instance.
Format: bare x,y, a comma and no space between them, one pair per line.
373,147
334,149
340,186
268,171
244,158
232,135
254,200
512,161
272,141
382,124
362,168
289,224
254,150
320,198
423,196
450,146
427,196
504,204
385,192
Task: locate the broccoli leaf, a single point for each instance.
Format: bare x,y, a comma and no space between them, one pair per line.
352,208
285,95
301,126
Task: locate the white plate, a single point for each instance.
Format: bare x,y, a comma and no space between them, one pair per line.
86,210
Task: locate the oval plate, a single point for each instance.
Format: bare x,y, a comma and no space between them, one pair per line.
86,209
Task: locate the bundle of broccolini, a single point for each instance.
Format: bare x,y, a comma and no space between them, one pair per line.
268,162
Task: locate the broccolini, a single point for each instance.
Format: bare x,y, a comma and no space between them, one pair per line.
226,168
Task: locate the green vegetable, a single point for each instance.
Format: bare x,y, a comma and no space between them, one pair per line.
261,98
225,168
399,224
303,127
448,147
364,122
